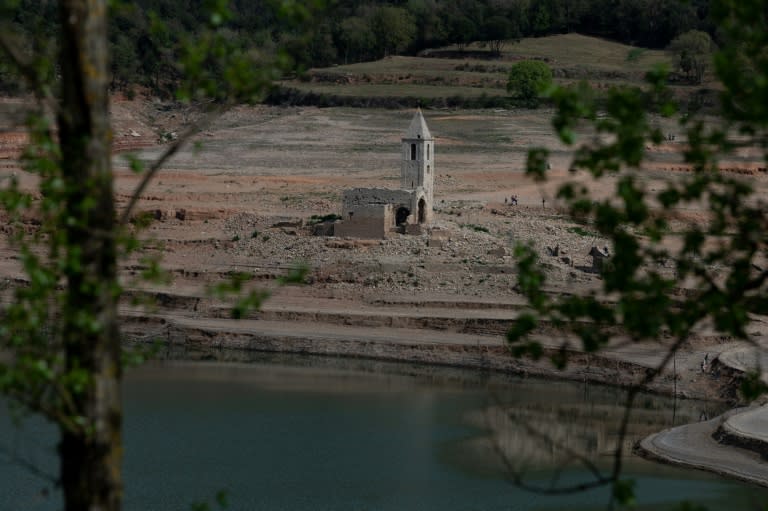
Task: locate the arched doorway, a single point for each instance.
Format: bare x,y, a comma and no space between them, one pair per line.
401,215
422,210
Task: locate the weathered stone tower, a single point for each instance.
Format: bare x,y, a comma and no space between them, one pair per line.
377,212
418,167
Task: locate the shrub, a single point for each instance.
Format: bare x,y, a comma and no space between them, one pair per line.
693,49
527,79
476,228
635,54
317,219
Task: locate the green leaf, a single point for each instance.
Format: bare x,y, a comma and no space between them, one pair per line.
560,357
537,163
752,386
222,499
624,492
521,327
689,506
296,275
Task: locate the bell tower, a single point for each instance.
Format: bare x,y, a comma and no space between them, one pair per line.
418,163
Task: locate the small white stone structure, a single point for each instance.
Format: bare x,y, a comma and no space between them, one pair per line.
376,212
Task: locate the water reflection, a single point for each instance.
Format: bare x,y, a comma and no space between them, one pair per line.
306,433
534,425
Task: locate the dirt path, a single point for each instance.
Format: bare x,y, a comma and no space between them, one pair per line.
693,446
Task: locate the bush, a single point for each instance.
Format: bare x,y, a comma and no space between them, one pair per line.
527,79
693,50
476,228
634,54
317,219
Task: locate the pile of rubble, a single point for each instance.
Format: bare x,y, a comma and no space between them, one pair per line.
451,257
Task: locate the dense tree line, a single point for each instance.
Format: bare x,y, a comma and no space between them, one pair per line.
144,34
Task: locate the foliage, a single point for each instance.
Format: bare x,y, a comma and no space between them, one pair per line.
384,97
475,227
634,54
61,330
496,31
663,284
431,27
355,39
528,79
461,31
145,52
221,499
393,29
317,219
693,50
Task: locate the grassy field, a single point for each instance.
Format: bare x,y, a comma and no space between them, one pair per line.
571,57
397,90
579,51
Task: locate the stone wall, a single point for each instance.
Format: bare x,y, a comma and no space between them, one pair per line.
357,197
365,221
371,212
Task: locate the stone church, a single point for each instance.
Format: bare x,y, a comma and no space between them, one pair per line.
376,212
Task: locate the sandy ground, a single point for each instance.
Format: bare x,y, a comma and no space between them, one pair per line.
238,197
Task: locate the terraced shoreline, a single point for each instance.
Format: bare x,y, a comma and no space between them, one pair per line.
734,444
392,329
445,297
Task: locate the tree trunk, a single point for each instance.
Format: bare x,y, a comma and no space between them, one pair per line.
91,453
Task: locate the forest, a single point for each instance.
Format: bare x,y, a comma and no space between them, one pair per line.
145,34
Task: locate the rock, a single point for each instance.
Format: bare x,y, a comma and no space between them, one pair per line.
436,243
413,229
181,214
323,229
289,223
498,252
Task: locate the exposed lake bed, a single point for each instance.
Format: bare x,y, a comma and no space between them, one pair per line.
444,298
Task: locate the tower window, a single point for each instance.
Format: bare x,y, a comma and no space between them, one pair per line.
427,151
413,151
427,169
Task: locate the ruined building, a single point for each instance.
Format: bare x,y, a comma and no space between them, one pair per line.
376,212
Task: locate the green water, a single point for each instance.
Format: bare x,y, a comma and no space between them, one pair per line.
292,433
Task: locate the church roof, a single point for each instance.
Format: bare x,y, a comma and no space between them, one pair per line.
418,127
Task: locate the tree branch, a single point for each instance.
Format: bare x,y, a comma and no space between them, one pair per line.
174,148
632,393
28,466
600,479
52,413
516,476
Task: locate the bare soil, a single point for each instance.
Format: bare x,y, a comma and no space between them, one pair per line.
240,195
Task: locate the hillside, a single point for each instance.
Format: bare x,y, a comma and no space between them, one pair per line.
448,73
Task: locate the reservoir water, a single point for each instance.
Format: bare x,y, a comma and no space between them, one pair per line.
298,433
